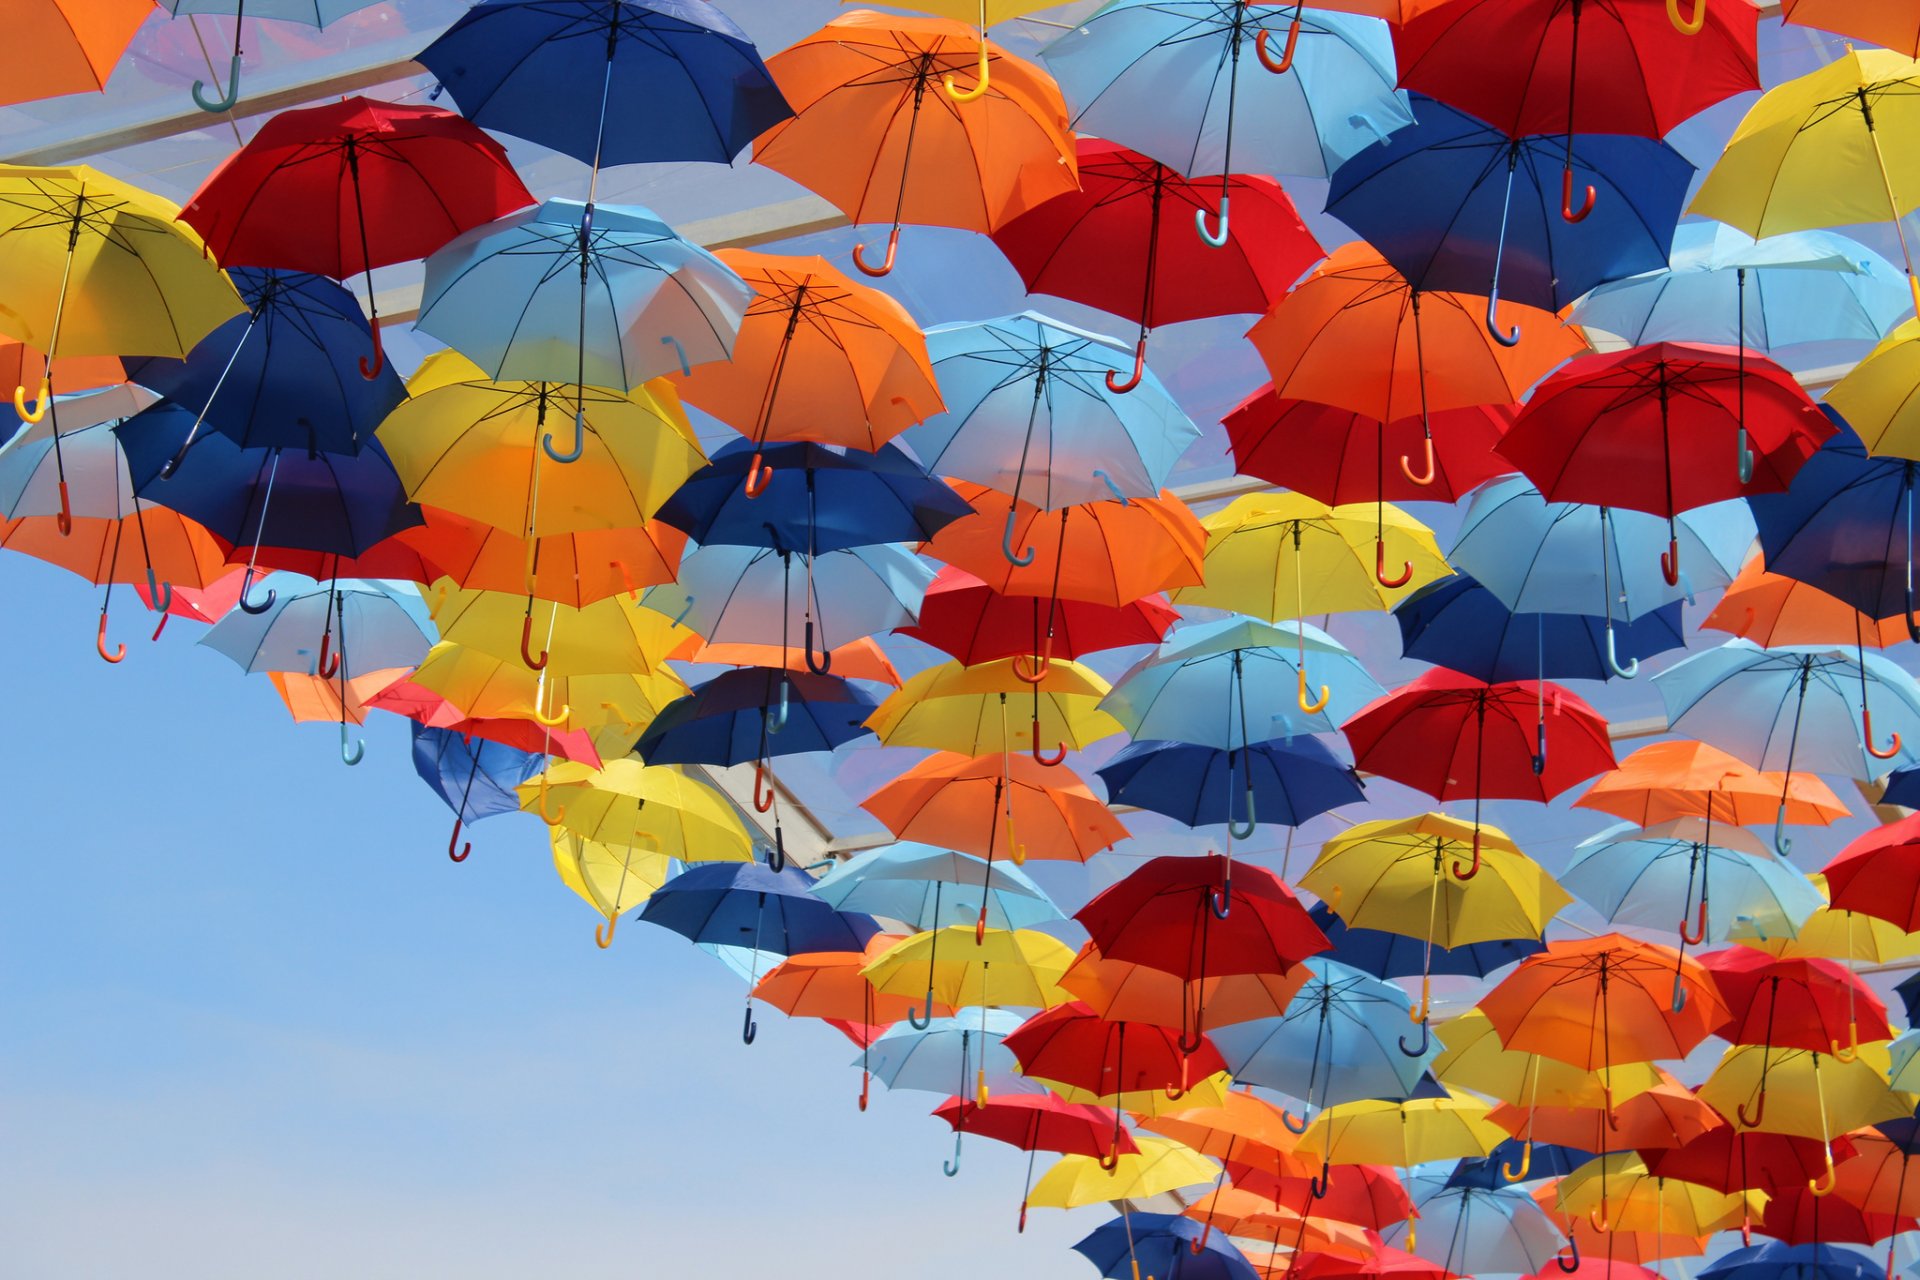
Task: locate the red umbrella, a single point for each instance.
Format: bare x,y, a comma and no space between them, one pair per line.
1664,428
1731,1158
1451,735
1383,1261
1596,1269
1879,874
395,557
1804,1004
1072,1045
1339,456
1123,243
970,620
1036,1122
1368,1195
1190,917
1579,66
1797,1215
345,187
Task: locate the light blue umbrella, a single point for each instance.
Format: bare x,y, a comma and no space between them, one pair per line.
1566,557
1788,707
312,13
326,629
1903,1073
1165,78
1340,1040
1030,413
753,595
931,888
1236,681
944,1058
556,293
1722,286
1473,1231
1654,877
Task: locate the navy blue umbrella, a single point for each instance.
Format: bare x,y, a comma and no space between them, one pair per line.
1457,205
609,82
286,374
818,498
1908,989
1394,955
1845,525
1166,1245
1280,781
1459,624
475,776
743,904
1777,1260
1485,1173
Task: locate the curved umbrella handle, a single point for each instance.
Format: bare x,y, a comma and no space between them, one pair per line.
1850,1052
1307,704
748,1027
228,96
1059,753
1380,567
886,263
1321,1185
778,720
1474,869
1217,240
824,664
1511,1174
758,474
1759,1111
555,818
1023,1218
579,439
980,1087
1571,1262
1220,902
952,1167
1110,1161
1113,488
1512,337
668,340
982,76
65,521
1539,761
329,663
557,719
1824,1184
1422,478
1781,845
1597,1219
762,801
777,854
1285,63
526,646
1687,26
1190,1046
119,652
454,851
1296,1128
1426,1041
1021,560
1242,830
1693,937
1678,1000
1866,733
603,933
1139,368
39,410
370,371
1743,458
1627,672
351,754
161,594
1034,672
1670,562
921,1020
1567,211
866,1084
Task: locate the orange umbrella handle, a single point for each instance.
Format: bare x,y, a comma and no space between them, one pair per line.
866,1081
100,642
886,263
1695,936
1687,26
1426,476
65,522
1511,1174
758,474
1866,731
1285,63
605,940
1035,672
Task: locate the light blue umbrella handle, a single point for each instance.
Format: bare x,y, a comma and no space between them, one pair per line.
679,349
1511,338
1217,240
1113,488
1022,559
1632,668
229,95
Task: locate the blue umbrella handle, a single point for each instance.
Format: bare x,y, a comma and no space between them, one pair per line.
1321,1185
1221,903
1627,672
351,754
1296,1128
824,664
1781,845
161,595
952,1167
1678,1001
1687,26
920,1020
668,340
778,720
748,1027
777,855
1426,1040
1024,558
1570,1263
229,95
579,439
1539,748
1242,830
1743,458
1567,210
1217,240
1512,337
1107,480
248,606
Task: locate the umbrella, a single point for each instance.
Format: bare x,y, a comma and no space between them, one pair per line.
424,706
1684,779
1617,1190
296,633
75,45
1771,609
659,808
931,1058
974,623
1474,1230
1165,1245
1873,397
1894,25
1732,1158
1870,1178
1409,1132
1793,1091
1878,874
975,803
1090,443
1287,782
1160,1165
1018,967
1034,1122
576,568
1393,955
1777,1260
954,708
475,777
1120,243
345,187
1810,1004
1476,1059
860,660
1830,933
313,13
488,686
1126,991
865,88
746,593
1664,1116
931,888
1074,1048
1458,624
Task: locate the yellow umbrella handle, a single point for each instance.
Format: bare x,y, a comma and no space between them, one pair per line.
1852,1051
1824,1184
1307,705
1512,1174
979,89
980,1086
605,940
1687,26
40,406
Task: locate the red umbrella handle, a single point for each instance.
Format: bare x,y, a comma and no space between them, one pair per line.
1059,753
762,800
372,371
1380,560
1426,476
1866,730
1474,869
1698,934
526,646
1139,367
454,843
1670,562
1567,210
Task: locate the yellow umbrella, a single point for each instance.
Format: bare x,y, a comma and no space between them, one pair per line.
1391,875
658,807
1834,147
609,636
1836,935
487,687
1161,1165
610,877
1805,1094
983,14
1401,1133
967,709
1877,397
1475,1059
1616,1192
1018,967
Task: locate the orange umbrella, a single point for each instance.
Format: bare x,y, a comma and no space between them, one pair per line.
1127,992
1615,1246
67,46
1771,610
574,569
313,697
1234,1212
819,357
860,659
1244,1129
23,363
975,803
1892,24
1683,779
1353,334
875,132
1110,553
1880,1177
1667,1115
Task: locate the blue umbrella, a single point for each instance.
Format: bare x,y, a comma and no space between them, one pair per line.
475,776
313,13
1459,624
1163,77
1489,211
933,1058
1539,1159
676,79
1778,1260
1775,708
296,632
1163,1245
1908,989
1469,1230
1031,411
818,498
1903,789
1845,525
930,888
746,904
1395,955
1334,1044
1279,781
1724,287
1540,557
286,374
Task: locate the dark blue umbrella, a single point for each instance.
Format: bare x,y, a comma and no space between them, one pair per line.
743,904
1777,1260
1903,789
286,374
1288,781
1845,525
1486,1173
475,776
333,503
1908,989
1393,955
817,498
1455,204
609,81
1459,624
1165,1245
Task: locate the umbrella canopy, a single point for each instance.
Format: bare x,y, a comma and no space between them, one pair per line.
1878,874
1682,779
1124,990
1778,1260
1019,968
569,568
1038,1122
1897,26
972,622
75,44
1472,1231
608,637
1652,878
963,802
1160,1165
730,593
1618,1190
1166,1244
364,626
1458,624
1771,609
657,808
754,713
1811,1004
1476,1059
1072,1046
474,776
966,709
1393,955
942,1056
930,888
1288,782
1874,396
1401,1133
